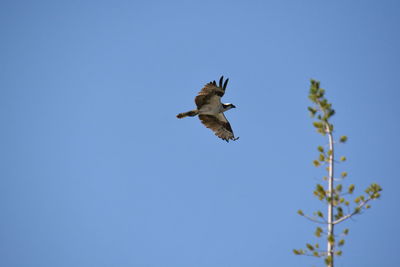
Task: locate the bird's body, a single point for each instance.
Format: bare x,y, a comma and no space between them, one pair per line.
211,110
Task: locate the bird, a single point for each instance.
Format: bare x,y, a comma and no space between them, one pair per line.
210,110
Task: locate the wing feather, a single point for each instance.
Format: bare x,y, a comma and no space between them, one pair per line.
209,91
219,125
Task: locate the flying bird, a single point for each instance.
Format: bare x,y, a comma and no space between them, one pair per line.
211,110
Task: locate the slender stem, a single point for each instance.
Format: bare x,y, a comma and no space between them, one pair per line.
331,245
315,220
360,206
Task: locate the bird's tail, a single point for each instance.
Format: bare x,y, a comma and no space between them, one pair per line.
191,113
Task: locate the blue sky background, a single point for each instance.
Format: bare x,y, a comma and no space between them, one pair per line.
97,171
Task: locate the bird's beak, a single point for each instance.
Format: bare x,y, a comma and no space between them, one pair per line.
233,106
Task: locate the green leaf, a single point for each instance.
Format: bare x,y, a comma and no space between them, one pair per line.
320,149
323,102
343,158
351,188
316,163
314,84
320,192
339,188
300,212
310,247
318,232
376,195
343,139
330,127
331,239
318,124
346,231
339,213
373,190
312,111
320,188
341,242
328,260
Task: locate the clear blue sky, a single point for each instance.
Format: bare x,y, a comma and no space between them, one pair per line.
97,171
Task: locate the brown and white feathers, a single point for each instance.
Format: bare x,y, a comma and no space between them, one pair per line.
211,110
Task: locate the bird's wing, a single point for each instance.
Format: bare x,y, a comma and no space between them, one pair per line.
211,92
219,125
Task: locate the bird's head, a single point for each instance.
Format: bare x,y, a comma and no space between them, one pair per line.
228,106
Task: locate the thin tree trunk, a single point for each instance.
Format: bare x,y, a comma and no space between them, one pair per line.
331,244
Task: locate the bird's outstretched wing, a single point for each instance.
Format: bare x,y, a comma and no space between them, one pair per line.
219,125
211,92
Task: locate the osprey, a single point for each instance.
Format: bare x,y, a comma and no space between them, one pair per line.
211,110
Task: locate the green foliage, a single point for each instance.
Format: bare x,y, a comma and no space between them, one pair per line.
312,111
331,239
319,192
351,188
328,261
318,232
339,188
322,109
339,213
373,191
339,197
320,214
298,251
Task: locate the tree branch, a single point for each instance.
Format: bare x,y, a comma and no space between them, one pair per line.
356,211
315,220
